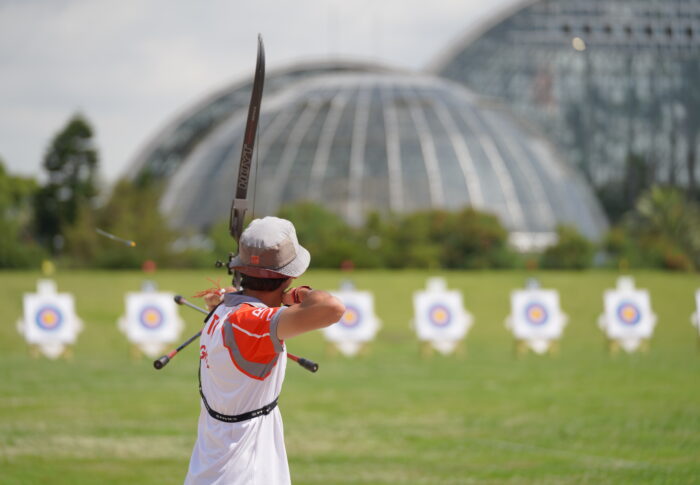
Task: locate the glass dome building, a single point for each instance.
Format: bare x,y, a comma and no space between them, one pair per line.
173,144
611,81
359,140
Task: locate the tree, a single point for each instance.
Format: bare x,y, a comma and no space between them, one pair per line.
668,222
17,248
572,251
468,239
71,162
132,213
416,240
663,231
476,240
327,237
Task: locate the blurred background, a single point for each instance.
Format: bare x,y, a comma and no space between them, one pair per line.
536,133
484,142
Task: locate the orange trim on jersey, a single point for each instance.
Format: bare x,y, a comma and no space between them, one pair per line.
251,332
214,321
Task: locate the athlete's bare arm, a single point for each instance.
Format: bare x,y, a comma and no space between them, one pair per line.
317,309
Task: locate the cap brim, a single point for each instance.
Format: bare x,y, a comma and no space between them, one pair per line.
294,269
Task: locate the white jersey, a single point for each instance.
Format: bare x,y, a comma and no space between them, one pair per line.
242,365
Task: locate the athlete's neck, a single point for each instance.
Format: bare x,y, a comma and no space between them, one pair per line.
269,298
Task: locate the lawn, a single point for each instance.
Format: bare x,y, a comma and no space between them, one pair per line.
387,417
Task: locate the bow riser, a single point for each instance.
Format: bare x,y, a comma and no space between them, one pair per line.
239,206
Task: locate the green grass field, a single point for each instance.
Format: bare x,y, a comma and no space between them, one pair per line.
389,417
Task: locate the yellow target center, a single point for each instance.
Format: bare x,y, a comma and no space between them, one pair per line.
350,317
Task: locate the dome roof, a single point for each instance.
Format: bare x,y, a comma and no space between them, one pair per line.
609,81
388,141
171,146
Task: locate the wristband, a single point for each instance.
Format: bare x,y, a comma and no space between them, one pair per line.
295,293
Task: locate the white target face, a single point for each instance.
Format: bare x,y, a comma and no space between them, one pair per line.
151,319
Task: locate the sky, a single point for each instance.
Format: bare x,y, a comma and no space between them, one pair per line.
131,66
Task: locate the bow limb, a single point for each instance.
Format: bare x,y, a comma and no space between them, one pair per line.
239,206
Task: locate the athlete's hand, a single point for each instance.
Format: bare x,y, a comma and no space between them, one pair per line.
212,299
295,295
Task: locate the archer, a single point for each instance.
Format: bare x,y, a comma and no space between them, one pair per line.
240,435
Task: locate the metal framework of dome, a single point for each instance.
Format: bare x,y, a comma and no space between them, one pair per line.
610,81
382,140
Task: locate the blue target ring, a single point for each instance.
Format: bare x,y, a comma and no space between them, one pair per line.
151,317
439,315
628,313
49,317
536,314
352,317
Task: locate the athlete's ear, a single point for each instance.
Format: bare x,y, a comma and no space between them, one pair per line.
287,284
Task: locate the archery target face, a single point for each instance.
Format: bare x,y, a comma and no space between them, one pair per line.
628,313
49,317
151,317
352,317
536,314
439,315
357,325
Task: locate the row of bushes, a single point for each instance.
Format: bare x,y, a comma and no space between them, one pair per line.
662,232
